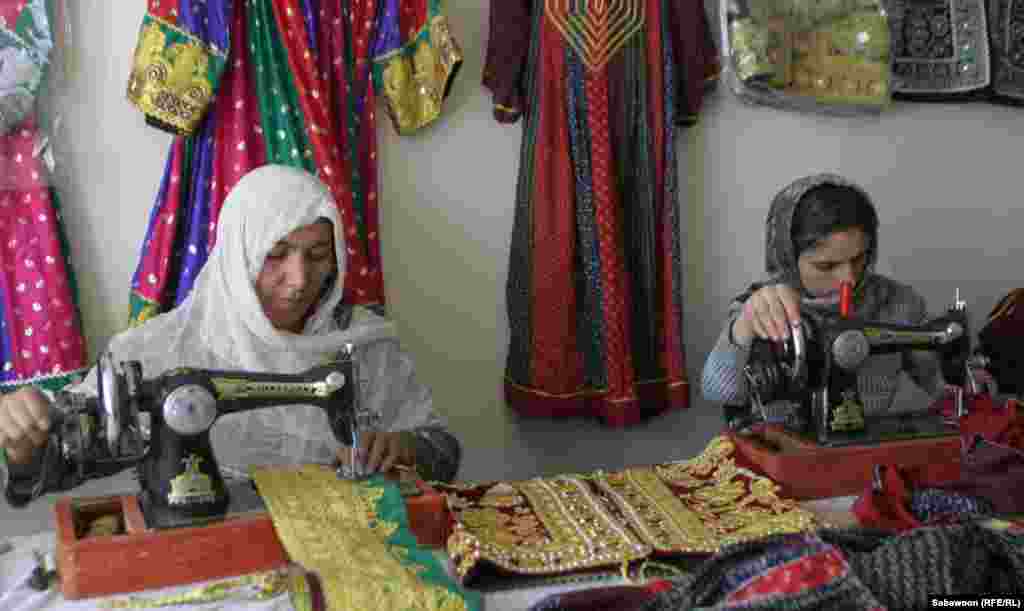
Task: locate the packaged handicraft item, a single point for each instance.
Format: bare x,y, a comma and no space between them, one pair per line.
940,48
831,55
604,521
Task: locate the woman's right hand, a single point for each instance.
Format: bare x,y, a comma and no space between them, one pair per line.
24,424
768,313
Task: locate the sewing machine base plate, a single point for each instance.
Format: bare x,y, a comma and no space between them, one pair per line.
806,470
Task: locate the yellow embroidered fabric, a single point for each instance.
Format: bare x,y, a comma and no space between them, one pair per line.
540,527
330,527
416,79
548,526
702,504
173,75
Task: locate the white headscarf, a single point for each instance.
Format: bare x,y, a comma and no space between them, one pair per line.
221,325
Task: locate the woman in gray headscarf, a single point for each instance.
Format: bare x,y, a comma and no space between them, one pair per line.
821,230
269,298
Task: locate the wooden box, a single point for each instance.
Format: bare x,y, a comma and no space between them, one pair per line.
141,558
806,470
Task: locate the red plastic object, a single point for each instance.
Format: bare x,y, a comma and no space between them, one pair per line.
845,298
805,470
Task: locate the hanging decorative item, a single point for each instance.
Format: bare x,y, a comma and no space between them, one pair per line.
940,48
830,56
294,82
41,340
1006,31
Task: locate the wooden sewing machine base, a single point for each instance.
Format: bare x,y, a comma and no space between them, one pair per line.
807,471
141,558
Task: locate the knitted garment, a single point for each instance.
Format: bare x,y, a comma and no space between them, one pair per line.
867,569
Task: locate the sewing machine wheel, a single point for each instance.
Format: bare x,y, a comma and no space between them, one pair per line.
111,400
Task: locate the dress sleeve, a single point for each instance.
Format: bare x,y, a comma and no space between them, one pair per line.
697,57
179,60
415,61
508,48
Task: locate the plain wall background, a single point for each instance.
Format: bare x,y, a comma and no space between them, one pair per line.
946,179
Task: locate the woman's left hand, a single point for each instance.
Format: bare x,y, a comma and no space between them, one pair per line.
379,451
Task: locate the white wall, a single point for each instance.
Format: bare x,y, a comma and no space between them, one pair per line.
945,179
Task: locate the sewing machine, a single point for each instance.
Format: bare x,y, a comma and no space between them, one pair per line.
161,428
821,442
814,374
186,523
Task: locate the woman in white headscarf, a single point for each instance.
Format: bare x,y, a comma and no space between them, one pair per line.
269,299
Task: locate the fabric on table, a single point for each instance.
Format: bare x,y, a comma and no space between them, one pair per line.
354,535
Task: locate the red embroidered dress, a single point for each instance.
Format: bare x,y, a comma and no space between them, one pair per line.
594,291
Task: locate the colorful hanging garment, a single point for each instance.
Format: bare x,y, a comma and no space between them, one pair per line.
250,82
41,339
594,291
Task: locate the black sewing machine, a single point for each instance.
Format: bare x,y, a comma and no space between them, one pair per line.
161,427
809,381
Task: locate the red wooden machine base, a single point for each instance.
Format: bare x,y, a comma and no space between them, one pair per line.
806,470
141,558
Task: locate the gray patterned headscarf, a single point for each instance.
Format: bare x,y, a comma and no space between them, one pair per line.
780,250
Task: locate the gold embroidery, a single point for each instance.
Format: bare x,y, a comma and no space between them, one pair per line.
416,84
596,29
716,504
171,78
564,527
330,527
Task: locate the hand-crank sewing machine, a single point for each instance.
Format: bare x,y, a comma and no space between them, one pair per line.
186,524
822,441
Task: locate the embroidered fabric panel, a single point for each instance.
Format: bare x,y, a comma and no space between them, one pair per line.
597,29
339,529
1007,34
537,527
803,574
547,526
702,504
415,78
939,46
174,75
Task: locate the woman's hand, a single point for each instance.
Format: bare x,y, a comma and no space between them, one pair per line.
24,424
768,314
379,452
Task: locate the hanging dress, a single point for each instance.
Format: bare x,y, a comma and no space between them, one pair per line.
594,291
250,82
41,340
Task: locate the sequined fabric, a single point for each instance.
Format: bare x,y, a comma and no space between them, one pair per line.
939,47
548,526
337,529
